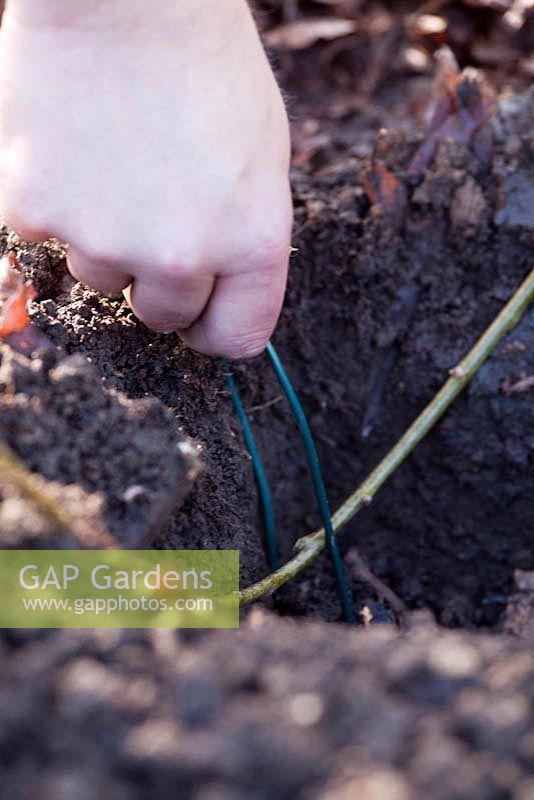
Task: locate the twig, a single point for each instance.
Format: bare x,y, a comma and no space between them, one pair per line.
263,406
523,384
383,591
308,547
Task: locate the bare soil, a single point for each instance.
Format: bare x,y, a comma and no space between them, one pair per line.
276,711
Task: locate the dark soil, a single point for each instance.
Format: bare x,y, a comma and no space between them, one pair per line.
376,316
276,711
222,509
379,309
60,420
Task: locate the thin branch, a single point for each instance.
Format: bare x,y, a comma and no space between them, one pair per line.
363,572
308,547
263,406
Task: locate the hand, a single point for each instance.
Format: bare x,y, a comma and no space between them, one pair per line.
152,138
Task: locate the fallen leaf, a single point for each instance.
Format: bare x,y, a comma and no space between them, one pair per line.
15,294
443,92
14,316
10,276
304,32
384,190
461,110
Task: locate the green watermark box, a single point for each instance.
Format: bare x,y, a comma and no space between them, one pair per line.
119,588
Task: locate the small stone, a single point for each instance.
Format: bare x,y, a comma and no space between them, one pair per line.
454,658
306,709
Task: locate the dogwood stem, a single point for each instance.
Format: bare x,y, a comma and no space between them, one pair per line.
308,547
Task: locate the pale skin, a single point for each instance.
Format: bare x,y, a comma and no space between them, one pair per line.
153,139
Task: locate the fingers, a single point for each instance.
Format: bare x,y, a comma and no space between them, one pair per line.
241,315
169,307
103,277
21,225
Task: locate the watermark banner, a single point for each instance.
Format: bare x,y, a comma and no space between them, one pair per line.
119,588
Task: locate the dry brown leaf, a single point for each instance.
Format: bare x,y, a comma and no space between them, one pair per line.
305,32
15,294
461,109
384,190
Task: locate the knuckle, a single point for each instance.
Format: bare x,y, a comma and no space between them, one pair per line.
175,268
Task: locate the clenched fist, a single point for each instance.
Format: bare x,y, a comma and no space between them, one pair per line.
152,138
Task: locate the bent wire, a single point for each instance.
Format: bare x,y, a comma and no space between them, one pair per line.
318,483
315,469
271,548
